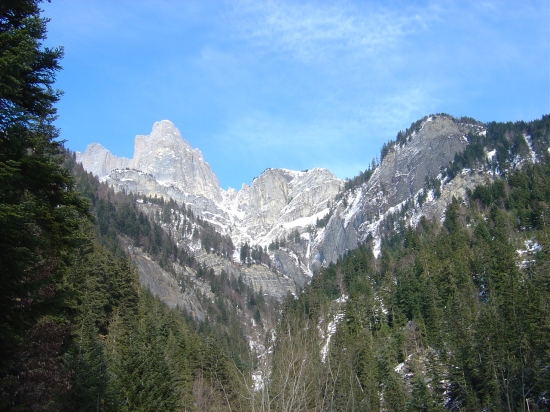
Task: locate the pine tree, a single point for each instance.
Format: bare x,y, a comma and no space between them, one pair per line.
39,210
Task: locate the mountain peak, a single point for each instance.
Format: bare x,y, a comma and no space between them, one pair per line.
100,161
164,154
164,128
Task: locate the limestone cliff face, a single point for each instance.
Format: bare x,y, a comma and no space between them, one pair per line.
281,201
399,177
263,201
99,161
311,193
171,160
404,169
165,156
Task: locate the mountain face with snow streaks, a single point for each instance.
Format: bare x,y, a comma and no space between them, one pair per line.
163,154
310,217
276,204
399,177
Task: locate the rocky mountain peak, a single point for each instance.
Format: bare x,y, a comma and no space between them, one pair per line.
405,167
431,144
163,154
165,136
100,161
167,156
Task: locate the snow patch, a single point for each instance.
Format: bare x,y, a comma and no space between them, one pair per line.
342,299
491,155
257,381
331,330
530,247
529,142
306,221
352,211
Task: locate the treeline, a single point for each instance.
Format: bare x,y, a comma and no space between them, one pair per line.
257,254
449,317
507,140
120,213
234,299
362,177
280,242
190,225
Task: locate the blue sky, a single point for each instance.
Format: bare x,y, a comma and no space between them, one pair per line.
292,84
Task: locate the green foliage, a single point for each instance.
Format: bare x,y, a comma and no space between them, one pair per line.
364,176
40,216
448,317
324,220
508,140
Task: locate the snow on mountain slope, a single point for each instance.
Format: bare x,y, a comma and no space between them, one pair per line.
283,204
399,178
277,203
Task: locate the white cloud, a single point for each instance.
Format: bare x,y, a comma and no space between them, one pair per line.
313,32
388,115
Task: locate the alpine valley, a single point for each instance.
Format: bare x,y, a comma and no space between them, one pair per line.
351,275
301,220
421,284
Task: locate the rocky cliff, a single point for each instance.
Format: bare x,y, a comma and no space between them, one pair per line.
285,207
99,161
281,201
164,155
400,177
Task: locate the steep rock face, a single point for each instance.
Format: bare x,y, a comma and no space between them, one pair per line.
165,286
399,177
404,169
263,201
99,161
167,156
311,194
138,182
282,200
163,154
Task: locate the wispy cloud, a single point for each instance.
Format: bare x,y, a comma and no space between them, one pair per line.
317,31
295,83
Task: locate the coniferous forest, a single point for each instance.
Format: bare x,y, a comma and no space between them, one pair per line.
467,325
452,315
77,332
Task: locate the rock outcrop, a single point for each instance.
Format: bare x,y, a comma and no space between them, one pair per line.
399,177
171,160
99,161
286,204
163,154
281,201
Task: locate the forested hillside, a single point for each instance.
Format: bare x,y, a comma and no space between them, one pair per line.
77,332
450,317
454,314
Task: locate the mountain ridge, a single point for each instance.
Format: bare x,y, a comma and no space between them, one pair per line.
314,214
